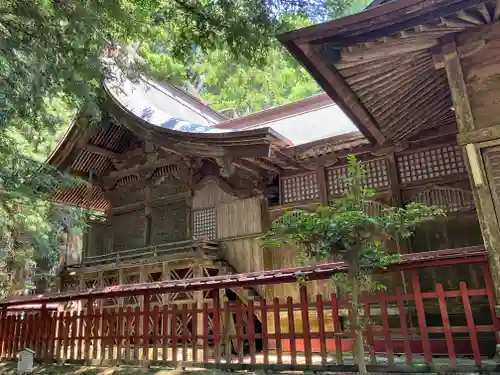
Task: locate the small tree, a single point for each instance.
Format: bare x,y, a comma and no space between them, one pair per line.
347,231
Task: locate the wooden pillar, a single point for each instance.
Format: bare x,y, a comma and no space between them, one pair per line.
322,185
198,297
475,163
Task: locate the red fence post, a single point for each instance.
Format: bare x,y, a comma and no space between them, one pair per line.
251,329
88,328
173,334
385,323
194,331
265,332
321,328
206,331
422,323
446,323
304,307
239,331
404,326
216,326
145,328
490,290
277,329
337,329
470,324
3,331
291,330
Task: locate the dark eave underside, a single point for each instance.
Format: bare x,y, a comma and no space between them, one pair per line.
379,65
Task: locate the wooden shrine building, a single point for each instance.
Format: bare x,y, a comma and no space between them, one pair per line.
411,71
415,79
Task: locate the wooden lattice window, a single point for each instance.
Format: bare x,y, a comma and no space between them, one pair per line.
205,224
429,164
300,188
377,177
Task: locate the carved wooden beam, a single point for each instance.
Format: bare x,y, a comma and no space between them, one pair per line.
480,135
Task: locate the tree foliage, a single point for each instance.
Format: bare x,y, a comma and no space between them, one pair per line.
51,67
347,231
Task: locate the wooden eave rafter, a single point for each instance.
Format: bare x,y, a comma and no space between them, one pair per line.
364,62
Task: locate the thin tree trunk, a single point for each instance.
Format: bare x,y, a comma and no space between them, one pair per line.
359,351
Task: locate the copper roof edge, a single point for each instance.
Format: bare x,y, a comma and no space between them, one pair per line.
296,108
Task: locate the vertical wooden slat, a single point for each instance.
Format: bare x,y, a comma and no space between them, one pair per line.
386,328
422,322
239,331
79,353
277,329
265,331
156,323
369,333
145,328
227,339
3,331
337,329
120,326
321,328
15,335
216,326
404,326
137,337
490,290
89,321
185,332
251,331
96,331
446,323
113,333
52,334
24,333
291,330
165,324
173,334
74,335
304,307
60,335
104,334
471,327
9,331
127,331
206,332
194,331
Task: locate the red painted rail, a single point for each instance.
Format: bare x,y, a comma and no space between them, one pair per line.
406,327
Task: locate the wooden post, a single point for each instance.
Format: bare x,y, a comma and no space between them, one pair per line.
485,205
322,185
198,297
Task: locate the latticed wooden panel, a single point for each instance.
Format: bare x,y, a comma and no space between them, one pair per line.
205,224
429,164
168,222
128,230
300,188
377,177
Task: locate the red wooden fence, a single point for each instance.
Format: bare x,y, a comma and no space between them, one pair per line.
399,330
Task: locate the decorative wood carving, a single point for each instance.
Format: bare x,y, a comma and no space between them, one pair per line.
377,177
205,224
430,164
448,198
300,188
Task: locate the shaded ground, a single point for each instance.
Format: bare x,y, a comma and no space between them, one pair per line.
10,369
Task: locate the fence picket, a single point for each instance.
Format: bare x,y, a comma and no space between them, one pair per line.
470,324
446,323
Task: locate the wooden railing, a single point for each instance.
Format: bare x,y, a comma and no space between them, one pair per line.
438,329
156,252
